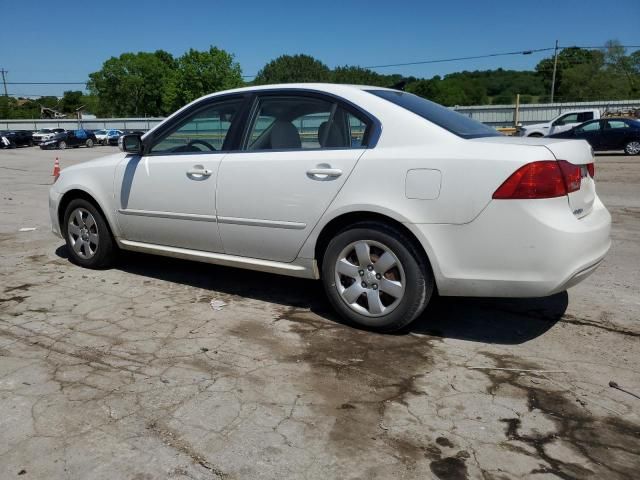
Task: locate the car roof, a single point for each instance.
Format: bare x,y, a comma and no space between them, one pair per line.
335,88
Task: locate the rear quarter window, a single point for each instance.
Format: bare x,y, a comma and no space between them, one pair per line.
444,117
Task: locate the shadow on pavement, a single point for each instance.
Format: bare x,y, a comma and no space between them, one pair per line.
488,320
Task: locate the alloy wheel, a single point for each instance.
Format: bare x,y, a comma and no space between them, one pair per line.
633,148
82,231
370,278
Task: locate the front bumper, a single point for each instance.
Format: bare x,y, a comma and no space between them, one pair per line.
518,248
54,201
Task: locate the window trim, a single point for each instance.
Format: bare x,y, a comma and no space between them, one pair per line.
372,133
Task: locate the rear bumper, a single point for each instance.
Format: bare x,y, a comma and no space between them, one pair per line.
518,248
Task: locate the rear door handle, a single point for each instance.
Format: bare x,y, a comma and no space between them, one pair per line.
200,172
324,172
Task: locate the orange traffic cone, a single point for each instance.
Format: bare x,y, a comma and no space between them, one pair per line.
56,169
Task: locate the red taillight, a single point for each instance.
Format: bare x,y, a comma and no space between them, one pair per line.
591,167
572,175
543,179
535,180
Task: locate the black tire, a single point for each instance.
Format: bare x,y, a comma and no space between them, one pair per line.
105,251
535,135
418,277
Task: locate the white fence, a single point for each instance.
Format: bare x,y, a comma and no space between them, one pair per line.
89,124
502,115
494,115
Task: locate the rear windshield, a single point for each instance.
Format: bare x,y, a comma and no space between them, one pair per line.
444,117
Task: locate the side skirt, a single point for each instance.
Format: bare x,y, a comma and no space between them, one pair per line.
302,267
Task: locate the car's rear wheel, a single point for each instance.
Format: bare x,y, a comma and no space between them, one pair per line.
62,145
632,148
89,143
87,235
375,277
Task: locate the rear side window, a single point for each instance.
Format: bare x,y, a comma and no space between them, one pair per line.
301,122
616,124
444,117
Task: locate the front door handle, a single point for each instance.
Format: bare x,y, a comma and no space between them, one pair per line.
198,171
322,173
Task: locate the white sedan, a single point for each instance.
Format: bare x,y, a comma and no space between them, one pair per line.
384,196
103,136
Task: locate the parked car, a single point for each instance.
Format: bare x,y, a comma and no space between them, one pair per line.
45,134
72,138
381,194
561,123
104,136
608,134
15,138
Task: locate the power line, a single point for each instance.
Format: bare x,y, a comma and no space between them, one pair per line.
403,64
47,83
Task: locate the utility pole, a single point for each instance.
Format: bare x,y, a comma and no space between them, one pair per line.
5,107
555,66
4,81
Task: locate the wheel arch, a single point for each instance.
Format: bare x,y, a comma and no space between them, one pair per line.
76,193
344,220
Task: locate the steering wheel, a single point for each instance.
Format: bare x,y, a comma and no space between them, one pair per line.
201,142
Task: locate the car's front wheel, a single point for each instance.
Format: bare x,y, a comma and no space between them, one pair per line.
89,143
62,145
632,148
87,235
376,277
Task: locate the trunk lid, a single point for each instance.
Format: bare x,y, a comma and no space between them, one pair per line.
577,152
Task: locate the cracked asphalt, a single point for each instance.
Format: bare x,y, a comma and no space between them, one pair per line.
129,373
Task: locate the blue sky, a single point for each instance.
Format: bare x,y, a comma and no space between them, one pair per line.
82,35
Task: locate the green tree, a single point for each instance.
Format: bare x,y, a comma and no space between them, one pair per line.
198,73
362,76
293,68
132,84
71,101
619,63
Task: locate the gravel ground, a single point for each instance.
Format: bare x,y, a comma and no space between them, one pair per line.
129,373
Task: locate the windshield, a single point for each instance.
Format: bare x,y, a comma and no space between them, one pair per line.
99,132
444,117
45,130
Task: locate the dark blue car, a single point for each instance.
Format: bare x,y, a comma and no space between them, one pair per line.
607,134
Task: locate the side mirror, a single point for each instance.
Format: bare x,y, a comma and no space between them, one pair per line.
131,144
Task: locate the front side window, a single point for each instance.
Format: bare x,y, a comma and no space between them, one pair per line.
203,132
444,117
589,127
569,118
300,122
